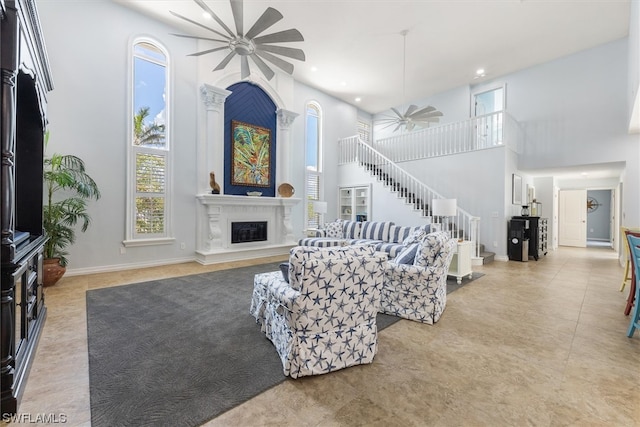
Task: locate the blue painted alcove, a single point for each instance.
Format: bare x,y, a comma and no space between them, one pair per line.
248,103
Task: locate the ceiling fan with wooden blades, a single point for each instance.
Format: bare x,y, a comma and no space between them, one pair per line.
250,44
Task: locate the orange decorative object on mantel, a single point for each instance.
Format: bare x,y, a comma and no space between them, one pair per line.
286,190
215,187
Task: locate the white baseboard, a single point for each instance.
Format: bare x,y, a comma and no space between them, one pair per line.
122,267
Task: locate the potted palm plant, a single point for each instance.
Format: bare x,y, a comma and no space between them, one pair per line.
68,189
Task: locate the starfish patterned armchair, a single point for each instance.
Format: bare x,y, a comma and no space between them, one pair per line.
415,283
324,319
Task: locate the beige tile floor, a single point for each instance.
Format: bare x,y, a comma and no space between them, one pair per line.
537,343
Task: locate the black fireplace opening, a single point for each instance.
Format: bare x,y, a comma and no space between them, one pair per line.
248,231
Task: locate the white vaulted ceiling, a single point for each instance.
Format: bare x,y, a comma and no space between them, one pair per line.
356,45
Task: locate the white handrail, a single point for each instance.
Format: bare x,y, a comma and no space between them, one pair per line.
354,150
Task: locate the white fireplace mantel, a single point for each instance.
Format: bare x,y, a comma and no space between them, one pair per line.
216,212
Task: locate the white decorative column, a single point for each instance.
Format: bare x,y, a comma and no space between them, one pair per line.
211,148
283,146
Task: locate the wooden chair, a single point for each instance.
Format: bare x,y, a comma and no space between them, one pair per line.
628,270
634,276
634,249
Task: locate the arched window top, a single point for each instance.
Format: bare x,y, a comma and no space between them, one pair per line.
313,109
150,50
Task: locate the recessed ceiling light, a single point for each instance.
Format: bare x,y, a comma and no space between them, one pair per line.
584,174
358,99
314,69
479,73
206,15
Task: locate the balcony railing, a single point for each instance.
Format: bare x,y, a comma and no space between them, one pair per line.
478,133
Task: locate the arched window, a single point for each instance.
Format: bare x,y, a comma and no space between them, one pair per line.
313,164
148,210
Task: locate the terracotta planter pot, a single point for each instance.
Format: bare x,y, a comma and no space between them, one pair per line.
53,271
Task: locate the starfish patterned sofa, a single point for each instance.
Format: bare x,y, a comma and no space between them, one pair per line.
415,282
324,319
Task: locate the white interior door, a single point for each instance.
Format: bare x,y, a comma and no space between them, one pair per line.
573,218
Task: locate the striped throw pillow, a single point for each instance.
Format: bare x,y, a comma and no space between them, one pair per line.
407,255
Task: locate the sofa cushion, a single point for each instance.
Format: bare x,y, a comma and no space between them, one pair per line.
321,242
333,229
407,255
375,230
351,229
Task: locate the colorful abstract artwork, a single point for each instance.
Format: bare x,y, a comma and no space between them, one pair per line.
250,155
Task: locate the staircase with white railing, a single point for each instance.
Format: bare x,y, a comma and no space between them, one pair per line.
381,160
406,186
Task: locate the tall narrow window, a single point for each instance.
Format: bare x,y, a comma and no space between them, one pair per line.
364,130
149,178
313,163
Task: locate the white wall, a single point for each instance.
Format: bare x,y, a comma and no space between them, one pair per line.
88,46
574,112
474,180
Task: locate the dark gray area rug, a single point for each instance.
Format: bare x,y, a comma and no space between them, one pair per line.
180,351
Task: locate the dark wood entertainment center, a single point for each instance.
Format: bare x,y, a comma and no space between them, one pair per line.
26,79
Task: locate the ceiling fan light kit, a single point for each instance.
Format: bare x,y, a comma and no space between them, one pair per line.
249,45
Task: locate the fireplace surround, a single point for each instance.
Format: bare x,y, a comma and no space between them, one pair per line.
217,213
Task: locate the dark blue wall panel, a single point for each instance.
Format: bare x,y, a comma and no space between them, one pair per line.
248,103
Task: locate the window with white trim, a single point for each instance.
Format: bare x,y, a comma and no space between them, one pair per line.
313,163
148,210
364,130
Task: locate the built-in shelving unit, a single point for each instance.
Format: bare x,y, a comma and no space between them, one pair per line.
354,203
